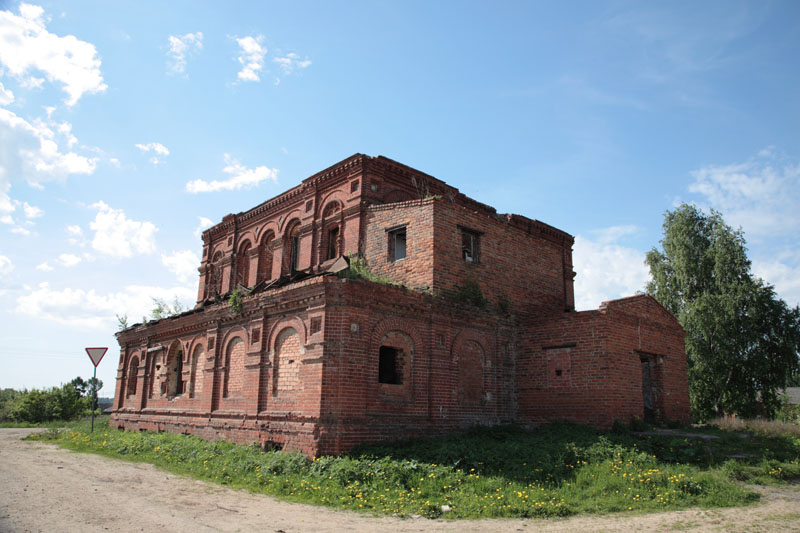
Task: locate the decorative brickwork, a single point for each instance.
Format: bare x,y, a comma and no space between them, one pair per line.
479,327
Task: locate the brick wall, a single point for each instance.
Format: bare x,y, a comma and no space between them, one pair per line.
415,270
525,268
598,355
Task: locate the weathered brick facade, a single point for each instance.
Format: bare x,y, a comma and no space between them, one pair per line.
479,327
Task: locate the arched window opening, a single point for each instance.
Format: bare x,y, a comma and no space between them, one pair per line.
174,381
395,356
329,247
214,277
234,368
265,258
287,363
291,248
193,384
133,376
243,265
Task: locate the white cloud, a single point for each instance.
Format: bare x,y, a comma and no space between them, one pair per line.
612,234
157,148
183,264
90,309
19,230
251,57
76,236
69,260
606,270
28,47
31,211
6,96
761,195
241,177
290,62
204,224
118,236
6,266
32,149
6,204
44,267
182,46
784,274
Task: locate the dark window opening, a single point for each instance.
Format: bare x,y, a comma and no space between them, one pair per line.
293,257
309,206
354,186
558,372
397,244
179,374
469,246
333,242
388,366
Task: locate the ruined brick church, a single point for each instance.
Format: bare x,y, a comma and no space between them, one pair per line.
467,318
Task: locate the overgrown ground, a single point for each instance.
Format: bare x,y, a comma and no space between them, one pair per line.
556,470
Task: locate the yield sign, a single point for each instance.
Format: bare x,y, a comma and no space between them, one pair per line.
96,354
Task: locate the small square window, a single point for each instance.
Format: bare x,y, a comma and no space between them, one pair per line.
373,186
309,205
397,244
354,186
470,246
389,366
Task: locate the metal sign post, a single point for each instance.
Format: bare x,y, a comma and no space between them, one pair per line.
96,355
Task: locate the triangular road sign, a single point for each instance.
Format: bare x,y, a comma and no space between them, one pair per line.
96,354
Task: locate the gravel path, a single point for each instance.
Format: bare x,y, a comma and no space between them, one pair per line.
46,488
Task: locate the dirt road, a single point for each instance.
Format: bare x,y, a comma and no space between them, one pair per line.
45,488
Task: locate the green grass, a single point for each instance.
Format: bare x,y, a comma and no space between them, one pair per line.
556,470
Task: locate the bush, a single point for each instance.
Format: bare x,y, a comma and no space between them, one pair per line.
8,398
58,403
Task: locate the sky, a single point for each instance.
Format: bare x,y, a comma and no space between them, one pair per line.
127,128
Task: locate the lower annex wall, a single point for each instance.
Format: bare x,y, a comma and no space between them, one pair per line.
301,367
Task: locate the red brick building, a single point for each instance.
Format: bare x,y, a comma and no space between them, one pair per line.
476,327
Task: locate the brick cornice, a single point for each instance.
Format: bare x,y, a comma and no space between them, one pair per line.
340,170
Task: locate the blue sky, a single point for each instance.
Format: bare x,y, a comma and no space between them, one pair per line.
127,128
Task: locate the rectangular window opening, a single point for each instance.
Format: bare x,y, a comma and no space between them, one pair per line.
397,244
388,366
469,246
333,238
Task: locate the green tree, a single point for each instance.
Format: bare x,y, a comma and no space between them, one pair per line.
7,399
87,388
57,403
80,385
742,341
93,386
